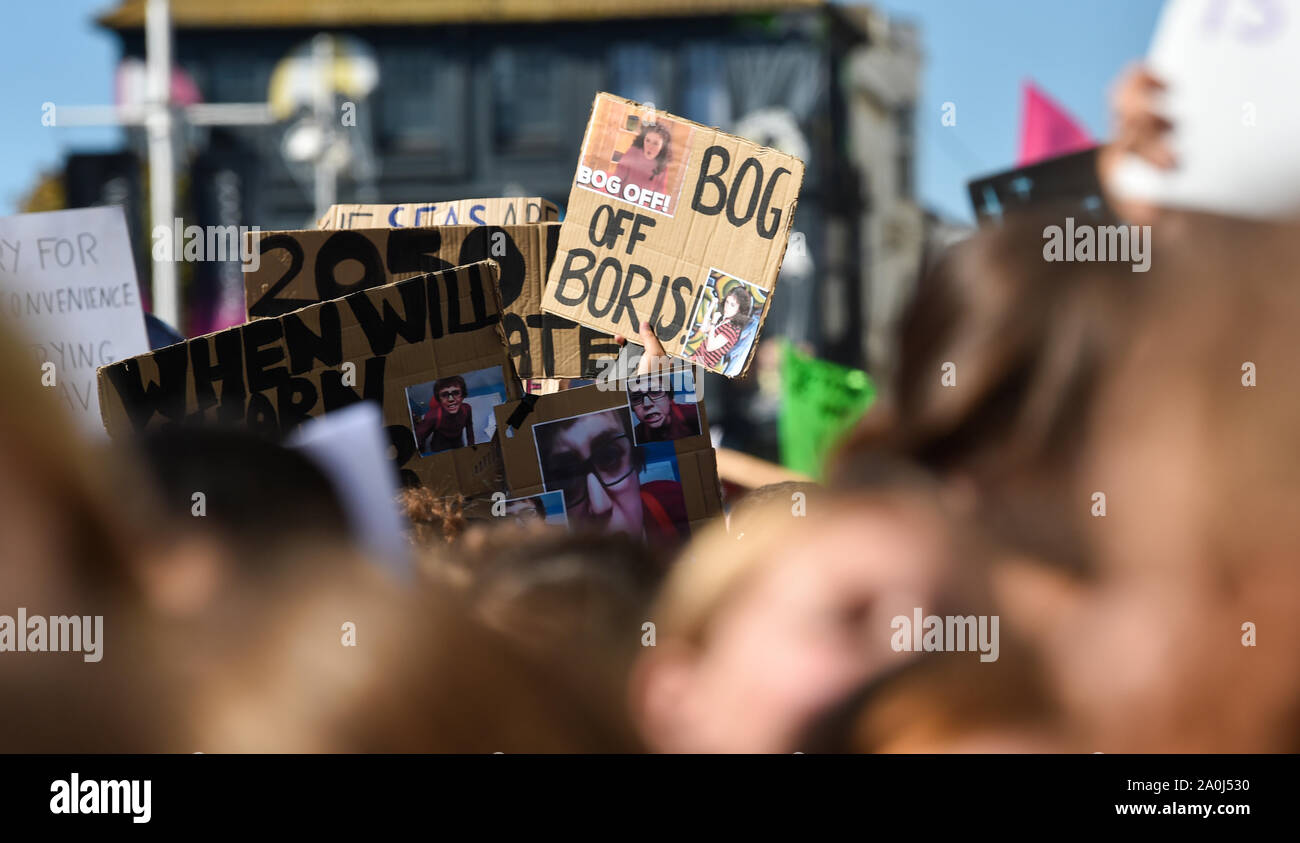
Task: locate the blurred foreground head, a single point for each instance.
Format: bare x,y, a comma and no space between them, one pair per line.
71,520
1000,356
346,662
760,637
232,505
60,512
579,597
1184,637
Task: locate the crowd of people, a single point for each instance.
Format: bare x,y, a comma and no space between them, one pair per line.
1098,465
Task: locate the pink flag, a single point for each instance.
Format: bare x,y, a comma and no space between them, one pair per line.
1046,129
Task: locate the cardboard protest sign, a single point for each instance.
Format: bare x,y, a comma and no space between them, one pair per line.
509,210
595,445
676,224
412,347
1231,68
67,282
528,511
297,268
820,401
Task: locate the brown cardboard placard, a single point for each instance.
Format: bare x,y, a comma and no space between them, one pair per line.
392,345
505,210
560,437
677,224
291,269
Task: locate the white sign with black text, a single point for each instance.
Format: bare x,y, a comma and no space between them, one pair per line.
68,284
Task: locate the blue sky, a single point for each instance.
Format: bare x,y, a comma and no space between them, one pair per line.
977,52
50,52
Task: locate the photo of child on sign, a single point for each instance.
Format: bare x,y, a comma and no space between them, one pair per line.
727,315
634,154
663,406
455,411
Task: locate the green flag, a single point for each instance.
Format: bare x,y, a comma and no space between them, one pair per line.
820,401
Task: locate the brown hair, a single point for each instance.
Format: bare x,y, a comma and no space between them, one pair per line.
453,380
744,304
54,459
1027,342
72,555
665,152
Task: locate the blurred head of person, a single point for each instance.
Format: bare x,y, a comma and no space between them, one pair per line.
1000,353
1191,480
234,505
61,512
348,662
951,702
757,505
435,523
760,636
73,515
577,601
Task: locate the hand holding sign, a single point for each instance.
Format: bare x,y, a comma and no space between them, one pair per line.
1231,68
653,357
1141,131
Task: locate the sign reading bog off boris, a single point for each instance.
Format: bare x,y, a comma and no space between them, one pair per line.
676,224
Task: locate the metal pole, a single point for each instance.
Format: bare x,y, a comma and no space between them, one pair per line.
162,164
322,54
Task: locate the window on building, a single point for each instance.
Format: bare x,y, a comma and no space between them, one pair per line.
527,113
421,105
905,118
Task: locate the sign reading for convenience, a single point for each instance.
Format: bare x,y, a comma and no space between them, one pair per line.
428,350
298,268
67,281
676,224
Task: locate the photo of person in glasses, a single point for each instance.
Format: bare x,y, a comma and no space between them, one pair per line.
610,484
442,411
660,415
546,508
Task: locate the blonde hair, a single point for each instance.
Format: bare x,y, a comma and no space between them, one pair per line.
719,565
713,568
